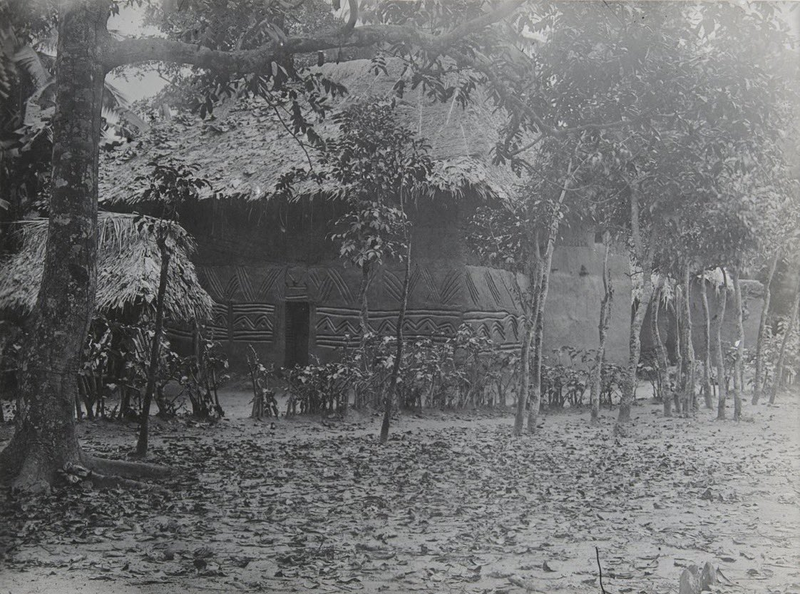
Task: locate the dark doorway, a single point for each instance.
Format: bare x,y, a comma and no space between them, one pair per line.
298,315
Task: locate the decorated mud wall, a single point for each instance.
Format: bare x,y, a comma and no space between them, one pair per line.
277,287
752,301
572,311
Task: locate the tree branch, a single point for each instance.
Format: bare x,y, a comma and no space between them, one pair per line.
131,51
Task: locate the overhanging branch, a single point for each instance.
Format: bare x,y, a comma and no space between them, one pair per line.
132,51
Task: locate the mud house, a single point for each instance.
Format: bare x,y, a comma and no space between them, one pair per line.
276,279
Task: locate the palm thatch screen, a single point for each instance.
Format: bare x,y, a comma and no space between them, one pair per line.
128,271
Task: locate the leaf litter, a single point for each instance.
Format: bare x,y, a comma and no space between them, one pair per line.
450,504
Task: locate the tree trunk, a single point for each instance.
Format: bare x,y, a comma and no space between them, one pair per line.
530,303
45,438
605,315
777,380
688,348
707,390
679,345
141,445
45,441
662,362
738,374
661,350
401,318
644,259
362,299
546,264
721,386
762,329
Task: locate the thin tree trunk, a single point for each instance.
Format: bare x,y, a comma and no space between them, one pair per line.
661,349
662,362
721,387
45,438
530,302
644,259
688,357
401,318
141,445
778,379
605,315
738,374
525,376
707,390
679,346
362,299
762,329
544,285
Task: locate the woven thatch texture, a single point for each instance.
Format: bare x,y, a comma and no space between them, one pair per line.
244,150
128,268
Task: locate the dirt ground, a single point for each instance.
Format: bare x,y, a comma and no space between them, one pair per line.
453,503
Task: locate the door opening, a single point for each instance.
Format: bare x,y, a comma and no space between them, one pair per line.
298,314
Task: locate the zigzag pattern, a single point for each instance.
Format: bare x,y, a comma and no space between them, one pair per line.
492,287
253,322
393,285
472,289
336,278
450,290
207,275
324,289
273,274
245,286
433,290
219,321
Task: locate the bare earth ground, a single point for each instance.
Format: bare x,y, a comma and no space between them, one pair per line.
453,503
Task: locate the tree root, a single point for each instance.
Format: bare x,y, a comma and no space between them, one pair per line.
127,470
111,474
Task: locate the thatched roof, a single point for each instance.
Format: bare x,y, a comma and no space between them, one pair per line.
128,269
244,150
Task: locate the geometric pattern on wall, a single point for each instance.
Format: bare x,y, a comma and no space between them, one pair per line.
218,325
272,275
207,275
501,326
450,289
472,289
323,280
333,324
253,322
492,287
245,286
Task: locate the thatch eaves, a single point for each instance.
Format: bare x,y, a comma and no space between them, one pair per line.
244,149
129,264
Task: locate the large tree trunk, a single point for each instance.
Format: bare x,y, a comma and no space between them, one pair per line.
391,394
45,441
721,385
644,260
762,328
738,373
155,348
687,393
45,434
778,379
707,390
602,327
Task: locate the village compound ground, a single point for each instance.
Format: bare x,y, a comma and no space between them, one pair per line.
452,504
